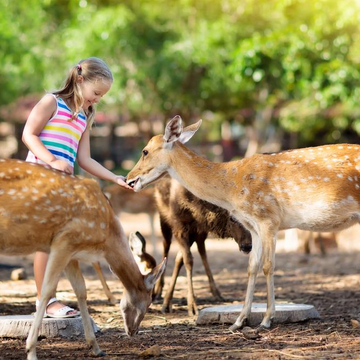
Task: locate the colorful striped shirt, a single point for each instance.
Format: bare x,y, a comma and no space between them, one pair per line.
61,135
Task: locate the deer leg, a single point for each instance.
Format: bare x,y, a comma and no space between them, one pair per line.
268,268
167,237
185,245
253,268
105,286
55,265
200,242
76,279
170,292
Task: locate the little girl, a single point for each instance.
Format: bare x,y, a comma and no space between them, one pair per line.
58,131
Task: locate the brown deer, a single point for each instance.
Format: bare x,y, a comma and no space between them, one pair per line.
43,209
190,220
316,189
123,200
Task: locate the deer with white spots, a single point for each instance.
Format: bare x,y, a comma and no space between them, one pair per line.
316,189
42,209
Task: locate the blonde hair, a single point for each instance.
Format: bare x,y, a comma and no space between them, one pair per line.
91,69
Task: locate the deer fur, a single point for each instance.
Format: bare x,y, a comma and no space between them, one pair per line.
42,209
190,219
315,189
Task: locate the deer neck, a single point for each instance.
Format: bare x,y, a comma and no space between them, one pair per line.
205,179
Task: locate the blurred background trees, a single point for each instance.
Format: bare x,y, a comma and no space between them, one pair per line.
264,75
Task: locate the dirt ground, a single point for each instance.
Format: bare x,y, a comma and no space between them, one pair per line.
330,283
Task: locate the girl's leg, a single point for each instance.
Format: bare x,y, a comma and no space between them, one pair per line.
40,261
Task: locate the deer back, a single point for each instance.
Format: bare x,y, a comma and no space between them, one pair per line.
36,203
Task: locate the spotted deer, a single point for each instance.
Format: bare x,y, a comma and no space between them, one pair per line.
43,209
316,189
190,220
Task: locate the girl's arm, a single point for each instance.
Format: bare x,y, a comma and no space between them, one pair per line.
93,167
39,116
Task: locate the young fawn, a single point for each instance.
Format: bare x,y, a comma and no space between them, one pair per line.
46,210
316,189
190,220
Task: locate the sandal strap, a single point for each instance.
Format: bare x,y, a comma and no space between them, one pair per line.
52,300
63,311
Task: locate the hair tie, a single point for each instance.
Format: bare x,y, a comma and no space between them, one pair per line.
79,69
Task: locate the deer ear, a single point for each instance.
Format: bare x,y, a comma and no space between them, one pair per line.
155,274
137,244
173,129
189,132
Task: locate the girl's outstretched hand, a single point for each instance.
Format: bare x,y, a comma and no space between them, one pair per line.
121,180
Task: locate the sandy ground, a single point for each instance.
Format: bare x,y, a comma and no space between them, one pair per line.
330,283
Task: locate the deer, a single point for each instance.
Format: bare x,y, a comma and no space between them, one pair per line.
43,209
315,189
190,220
123,200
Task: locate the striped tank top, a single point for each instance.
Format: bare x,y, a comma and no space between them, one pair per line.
61,135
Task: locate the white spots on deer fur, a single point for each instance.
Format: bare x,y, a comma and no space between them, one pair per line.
350,178
11,192
34,198
27,203
303,180
102,225
35,191
326,179
357,186
38,182
2,174
340,176
42,174
28,171
53,192
245,191
91,224
357,168
52,180
2,192
340,147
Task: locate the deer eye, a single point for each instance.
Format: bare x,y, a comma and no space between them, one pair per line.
145,152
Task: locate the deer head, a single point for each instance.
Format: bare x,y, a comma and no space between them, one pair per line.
155,159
